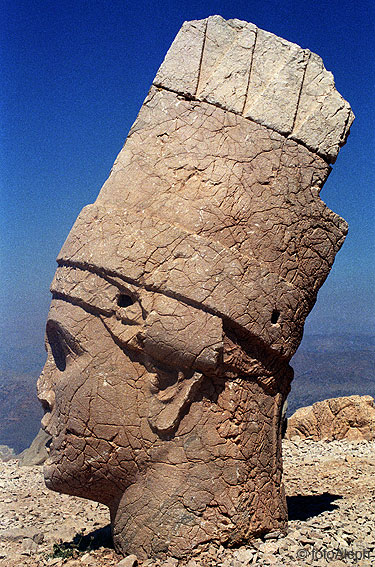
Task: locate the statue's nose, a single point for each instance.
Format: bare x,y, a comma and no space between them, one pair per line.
46,395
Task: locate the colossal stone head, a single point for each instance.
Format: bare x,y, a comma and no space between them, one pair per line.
181,293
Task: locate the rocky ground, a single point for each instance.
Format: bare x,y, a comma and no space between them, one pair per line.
331,499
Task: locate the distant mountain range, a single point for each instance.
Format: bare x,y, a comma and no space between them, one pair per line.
20,410
330,366
326,366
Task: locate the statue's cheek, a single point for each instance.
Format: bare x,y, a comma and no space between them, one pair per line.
182,337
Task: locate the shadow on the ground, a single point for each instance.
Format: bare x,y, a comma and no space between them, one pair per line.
101,537
304,507
299,508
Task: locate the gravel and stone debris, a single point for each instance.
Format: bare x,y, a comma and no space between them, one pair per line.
331,498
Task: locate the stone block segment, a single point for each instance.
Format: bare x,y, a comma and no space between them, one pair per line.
323,117
226,63
252,72
277,72
181,67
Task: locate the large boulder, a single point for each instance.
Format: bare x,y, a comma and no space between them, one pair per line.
350,417
37,453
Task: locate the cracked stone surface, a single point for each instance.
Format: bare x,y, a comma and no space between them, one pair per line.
330,488
181,294
256,74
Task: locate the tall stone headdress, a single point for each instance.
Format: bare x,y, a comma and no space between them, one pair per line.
214,199
212,211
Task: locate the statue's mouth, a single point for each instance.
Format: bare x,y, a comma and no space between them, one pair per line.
57,443
46,418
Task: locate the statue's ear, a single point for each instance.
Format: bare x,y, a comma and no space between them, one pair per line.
168,404
181,336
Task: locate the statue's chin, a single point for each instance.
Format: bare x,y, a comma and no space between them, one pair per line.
57,481
61,475
59,472
51,476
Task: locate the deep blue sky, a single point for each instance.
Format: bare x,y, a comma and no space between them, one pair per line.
75,75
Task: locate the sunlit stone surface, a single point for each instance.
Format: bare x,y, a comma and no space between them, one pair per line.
182,292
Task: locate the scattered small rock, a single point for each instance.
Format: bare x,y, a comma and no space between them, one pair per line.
273,535
29,544
129,561
87,559
38,537
14,534
170,562
330,498
245,555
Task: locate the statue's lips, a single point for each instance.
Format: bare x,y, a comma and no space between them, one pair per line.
46,430
48,445
51,453
56,444
167,259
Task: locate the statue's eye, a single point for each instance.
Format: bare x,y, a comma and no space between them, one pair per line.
55,341
125,300
61,343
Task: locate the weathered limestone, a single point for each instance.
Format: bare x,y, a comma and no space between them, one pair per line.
256,74
37,453
225,70
350,417
181,295
276,79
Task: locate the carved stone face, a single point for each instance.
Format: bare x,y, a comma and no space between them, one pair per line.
92,391
122,364
182,292
152,403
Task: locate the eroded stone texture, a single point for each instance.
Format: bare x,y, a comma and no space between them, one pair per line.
350,417
256,74
37,453
181,295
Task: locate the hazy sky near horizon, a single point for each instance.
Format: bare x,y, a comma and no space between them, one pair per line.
75,75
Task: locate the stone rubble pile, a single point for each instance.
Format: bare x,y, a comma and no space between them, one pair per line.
331,498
